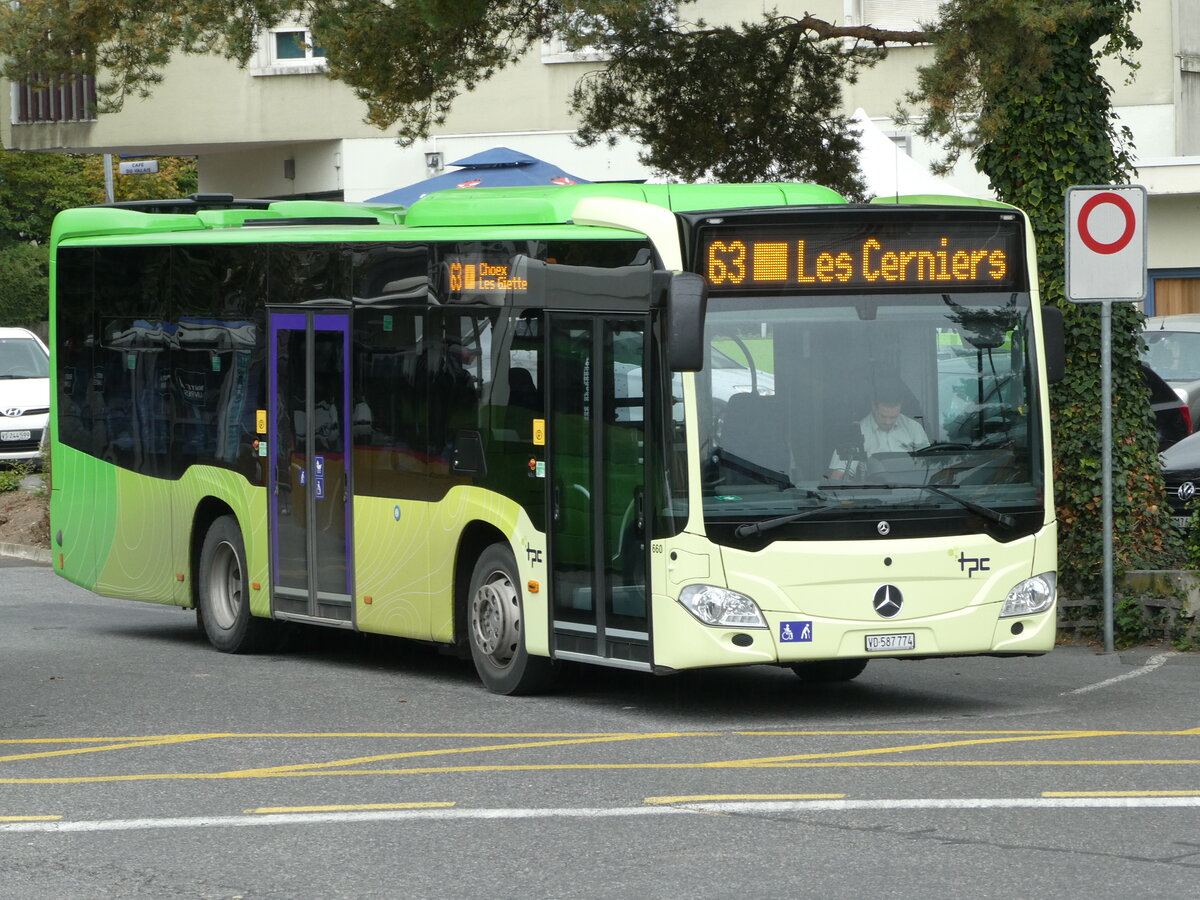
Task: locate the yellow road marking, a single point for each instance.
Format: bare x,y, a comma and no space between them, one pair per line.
701,798
346,734
349,808
942,745
29,818
592,767
1121,793
135,744
826,759
412,754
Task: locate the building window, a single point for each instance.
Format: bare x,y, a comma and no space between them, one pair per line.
893,15
295,45
288,50
555,50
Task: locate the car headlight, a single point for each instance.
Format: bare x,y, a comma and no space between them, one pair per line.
1033,595
720,606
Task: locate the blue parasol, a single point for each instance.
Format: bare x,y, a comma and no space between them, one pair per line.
497,167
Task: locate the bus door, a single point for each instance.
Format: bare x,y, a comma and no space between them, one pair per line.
597,471
308,441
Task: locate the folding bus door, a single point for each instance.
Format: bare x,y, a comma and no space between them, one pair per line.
309,446
597,471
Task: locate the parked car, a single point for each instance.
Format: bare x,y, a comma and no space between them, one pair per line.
1181,472
24,395
1171,415
1173,351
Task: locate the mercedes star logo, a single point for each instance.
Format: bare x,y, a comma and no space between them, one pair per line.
1186,491
884,528
887,601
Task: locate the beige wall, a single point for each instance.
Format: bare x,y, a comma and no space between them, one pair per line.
244,127
1173,225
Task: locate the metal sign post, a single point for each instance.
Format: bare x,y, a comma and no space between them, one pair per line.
1106,262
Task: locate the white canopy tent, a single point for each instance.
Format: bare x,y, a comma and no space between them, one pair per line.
887,170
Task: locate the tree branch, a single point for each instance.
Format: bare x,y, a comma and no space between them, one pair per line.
868,33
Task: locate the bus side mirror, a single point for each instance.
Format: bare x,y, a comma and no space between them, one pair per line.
687,300
1055,344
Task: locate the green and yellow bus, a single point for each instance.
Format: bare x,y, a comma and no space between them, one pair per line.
616,424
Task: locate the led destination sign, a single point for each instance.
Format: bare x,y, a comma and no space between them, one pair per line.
483,277
829,258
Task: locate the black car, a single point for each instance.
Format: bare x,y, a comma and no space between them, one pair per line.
1170,413
1181,472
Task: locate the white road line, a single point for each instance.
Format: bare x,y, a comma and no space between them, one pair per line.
1145,669
390,815
751,807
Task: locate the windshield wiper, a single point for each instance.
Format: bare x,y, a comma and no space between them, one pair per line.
750,529
987,512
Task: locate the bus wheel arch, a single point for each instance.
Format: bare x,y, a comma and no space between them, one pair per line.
492,622
222,588
208,510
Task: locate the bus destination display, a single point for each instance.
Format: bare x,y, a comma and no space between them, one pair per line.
828,258
479,276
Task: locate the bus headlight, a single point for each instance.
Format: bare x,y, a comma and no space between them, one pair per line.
1033,595
720,606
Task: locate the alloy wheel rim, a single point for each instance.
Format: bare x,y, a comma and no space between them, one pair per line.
226,582
495,618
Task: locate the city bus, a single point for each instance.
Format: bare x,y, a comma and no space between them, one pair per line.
616,424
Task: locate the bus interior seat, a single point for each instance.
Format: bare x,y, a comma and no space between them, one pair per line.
521,390
754,433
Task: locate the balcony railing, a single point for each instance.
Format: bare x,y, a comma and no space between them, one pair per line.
70,99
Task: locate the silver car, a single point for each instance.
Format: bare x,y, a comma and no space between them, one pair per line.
24,395
1173,352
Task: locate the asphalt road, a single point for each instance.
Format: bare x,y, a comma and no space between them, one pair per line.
137,762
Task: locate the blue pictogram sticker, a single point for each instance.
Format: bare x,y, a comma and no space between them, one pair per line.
795,632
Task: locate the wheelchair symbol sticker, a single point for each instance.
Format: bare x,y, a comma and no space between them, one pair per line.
795,632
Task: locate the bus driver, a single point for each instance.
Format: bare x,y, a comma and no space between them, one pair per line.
884,429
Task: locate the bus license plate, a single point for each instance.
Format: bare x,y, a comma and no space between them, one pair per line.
877,643
14,435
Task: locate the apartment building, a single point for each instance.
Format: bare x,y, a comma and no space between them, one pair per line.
281,128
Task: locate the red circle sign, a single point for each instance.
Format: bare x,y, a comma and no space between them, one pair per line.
1081,223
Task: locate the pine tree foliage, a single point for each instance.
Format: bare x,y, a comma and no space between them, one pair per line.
1017,85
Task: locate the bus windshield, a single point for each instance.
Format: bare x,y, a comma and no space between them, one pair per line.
917,405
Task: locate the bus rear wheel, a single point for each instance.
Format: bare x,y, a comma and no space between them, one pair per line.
495,624
828,671
223,602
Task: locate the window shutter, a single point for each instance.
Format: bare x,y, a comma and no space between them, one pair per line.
899,15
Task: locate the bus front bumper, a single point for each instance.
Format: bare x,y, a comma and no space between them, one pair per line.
682,642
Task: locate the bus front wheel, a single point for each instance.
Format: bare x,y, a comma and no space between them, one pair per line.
495,623
223,602
827,671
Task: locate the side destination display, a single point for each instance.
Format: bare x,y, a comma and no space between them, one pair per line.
831,257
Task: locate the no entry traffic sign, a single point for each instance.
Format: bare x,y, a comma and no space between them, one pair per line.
1106,242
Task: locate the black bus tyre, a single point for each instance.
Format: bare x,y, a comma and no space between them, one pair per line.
495,620
828,671
224,602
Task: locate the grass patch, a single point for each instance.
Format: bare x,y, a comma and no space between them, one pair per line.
11,477
762,349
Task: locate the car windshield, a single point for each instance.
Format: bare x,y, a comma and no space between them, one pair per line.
1175,355
23,358
917,402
